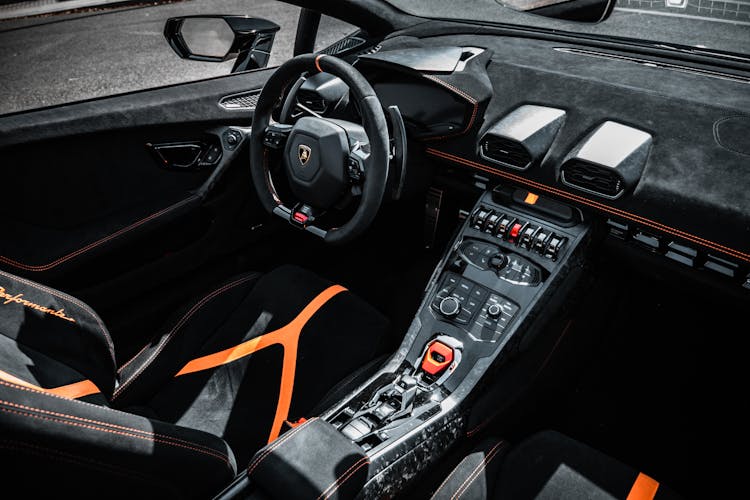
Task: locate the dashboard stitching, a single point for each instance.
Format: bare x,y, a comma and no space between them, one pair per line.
463,94
606,208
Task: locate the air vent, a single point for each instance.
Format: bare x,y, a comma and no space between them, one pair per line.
592,178
312,100
505,151
522,137
372,50
608,162
343,45
245,100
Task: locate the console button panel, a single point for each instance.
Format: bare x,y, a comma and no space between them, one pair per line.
483,313
522,233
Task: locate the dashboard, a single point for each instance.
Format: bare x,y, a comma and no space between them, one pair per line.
655,150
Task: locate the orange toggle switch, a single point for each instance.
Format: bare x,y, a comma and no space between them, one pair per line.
437,358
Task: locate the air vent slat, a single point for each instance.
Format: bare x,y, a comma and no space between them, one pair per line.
593,178
312,101
505,151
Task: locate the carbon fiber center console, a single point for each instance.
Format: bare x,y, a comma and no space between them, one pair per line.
510,264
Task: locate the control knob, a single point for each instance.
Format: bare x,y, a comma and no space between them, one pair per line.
494,310
450,307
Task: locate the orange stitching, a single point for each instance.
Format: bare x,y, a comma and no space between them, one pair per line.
255,463
162,343
344,477
116,426
475,473
606,208
73,300
76,253
463,94
126,434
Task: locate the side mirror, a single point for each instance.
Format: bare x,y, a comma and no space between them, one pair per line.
221,38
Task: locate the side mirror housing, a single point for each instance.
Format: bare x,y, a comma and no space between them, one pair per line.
221,38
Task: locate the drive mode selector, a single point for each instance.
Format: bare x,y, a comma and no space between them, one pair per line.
494,310
450,306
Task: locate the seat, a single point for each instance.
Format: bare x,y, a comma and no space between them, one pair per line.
547,465
228,374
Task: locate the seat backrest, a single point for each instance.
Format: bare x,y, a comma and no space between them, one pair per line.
52,341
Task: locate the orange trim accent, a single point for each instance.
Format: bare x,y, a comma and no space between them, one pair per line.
72,391
57,262
463,94
595,204
531,198
317,63
288,337
644,488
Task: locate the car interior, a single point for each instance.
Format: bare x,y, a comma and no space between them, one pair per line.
433,260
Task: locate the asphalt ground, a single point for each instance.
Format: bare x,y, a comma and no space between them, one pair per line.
56,58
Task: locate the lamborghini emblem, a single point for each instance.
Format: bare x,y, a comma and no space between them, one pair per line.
303,153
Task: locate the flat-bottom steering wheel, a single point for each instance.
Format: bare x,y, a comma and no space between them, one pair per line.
323,159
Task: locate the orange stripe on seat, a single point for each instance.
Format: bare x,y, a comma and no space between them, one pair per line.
644,488
288,337
73,391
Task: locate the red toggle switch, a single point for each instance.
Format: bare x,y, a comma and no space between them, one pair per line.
514,232
437,358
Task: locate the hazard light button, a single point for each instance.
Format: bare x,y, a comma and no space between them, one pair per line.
437,358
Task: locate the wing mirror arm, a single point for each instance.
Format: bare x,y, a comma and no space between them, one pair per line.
218,38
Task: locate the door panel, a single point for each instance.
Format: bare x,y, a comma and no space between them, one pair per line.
86,199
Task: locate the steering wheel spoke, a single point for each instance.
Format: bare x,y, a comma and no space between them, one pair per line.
276,135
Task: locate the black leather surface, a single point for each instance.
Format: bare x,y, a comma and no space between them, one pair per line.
313,460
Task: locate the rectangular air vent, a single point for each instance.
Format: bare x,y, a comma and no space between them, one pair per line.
505,151
245,100
608,161
592,178
522,137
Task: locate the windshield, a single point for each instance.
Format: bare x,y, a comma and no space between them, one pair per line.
719,25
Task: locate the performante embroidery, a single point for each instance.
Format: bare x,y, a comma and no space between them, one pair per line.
8,298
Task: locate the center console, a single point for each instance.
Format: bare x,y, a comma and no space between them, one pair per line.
504,271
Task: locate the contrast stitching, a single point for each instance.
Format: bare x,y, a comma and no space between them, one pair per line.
64,258
475,473
600,206
256,462
108,424
56,454
72,300
344,477
463,94
453,473
165,340
119,370
126,434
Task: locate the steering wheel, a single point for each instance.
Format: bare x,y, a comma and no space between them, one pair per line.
323,159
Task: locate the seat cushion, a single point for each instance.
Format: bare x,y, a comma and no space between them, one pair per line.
251,355
548,465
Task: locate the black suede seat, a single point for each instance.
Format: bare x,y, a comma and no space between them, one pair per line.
548,465
227,375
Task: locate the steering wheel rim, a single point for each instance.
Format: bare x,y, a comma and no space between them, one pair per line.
373,121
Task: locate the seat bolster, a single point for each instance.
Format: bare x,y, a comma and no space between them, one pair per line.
47,441
474,477
61,327
176,343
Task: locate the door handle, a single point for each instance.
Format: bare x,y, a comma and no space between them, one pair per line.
186,155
